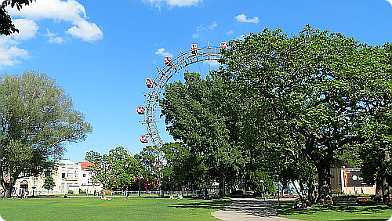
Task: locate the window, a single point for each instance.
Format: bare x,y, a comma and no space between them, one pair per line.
63,175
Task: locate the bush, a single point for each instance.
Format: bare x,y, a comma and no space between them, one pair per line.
70,192
82,191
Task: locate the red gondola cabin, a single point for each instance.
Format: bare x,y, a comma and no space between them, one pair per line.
168,61
143,139
149,83
223,45
194,49
140,109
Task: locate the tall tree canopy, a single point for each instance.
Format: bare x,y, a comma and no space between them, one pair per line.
36,118
6,25
319,88
202,114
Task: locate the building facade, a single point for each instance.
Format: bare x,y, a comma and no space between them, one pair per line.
69,177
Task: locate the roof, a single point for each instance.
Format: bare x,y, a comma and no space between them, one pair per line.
85,165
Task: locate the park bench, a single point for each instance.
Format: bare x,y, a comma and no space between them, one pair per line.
345,200
365,199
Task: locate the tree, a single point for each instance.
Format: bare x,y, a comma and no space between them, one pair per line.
49,183
151,160
36,119
6,25
202,114
116,170
183,167
320,87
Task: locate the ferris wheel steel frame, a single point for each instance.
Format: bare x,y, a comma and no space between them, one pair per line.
164,74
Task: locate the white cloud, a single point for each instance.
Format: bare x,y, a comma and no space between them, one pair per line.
201,28
212,63
9,52
196,35
53,38
390,1
70,10
27,29
163,52
231,32
213,25
179,3
208,27
86,31
243,18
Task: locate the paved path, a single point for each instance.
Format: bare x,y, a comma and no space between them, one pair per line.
243,209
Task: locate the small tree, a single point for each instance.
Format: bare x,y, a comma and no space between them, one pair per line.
115,170
49,183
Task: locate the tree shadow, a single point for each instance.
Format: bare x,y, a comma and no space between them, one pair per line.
206,204
286,209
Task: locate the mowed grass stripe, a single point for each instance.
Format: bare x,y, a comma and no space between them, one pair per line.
92,208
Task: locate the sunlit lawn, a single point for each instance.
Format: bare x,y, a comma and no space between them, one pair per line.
345,212
92,208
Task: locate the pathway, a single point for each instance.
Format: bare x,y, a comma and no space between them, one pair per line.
243,209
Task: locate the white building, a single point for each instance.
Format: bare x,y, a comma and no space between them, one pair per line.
68,177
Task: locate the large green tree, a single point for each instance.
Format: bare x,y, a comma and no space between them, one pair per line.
320,86
183,167
116,170
36,119
201,113
6,25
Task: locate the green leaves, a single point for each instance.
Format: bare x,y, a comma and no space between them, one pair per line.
116,170
204,114
36,118
312,93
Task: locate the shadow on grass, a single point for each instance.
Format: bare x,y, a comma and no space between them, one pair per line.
206,204
286,209
364,220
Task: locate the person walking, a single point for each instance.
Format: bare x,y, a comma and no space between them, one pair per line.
126,195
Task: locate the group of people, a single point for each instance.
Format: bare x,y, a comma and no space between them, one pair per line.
177,197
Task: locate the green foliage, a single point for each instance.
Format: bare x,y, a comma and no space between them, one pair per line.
6,25
49,183
116,170
203,114
183,167
36,119
262,183
313,93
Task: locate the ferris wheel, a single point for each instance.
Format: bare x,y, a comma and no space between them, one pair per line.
156,85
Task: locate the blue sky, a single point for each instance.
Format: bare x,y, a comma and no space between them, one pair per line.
100,52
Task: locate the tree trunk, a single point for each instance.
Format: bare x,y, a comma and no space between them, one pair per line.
222,186
324,182
312,193
8,190
382,184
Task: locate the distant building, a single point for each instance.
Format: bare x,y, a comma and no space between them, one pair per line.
350,181
68,176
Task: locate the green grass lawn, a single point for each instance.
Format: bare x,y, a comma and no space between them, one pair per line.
347,213
92,208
